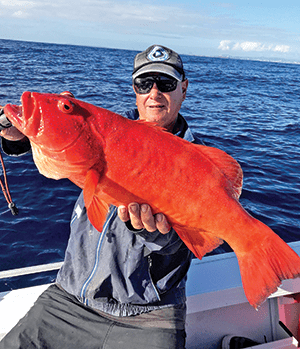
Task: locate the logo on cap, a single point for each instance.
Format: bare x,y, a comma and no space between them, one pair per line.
158,54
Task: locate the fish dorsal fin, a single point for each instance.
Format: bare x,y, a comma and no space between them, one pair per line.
96,208
227,165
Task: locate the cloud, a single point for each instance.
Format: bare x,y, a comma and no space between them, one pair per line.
196,28
16,3
16,8
224,45
281,48
95,10
252,46
19,14
171,23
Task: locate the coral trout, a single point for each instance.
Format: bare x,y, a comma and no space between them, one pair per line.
119,161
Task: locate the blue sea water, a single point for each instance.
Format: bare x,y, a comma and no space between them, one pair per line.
250,109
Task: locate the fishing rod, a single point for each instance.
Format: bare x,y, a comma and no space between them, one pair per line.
4,124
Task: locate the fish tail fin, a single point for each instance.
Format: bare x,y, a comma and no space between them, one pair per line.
265,266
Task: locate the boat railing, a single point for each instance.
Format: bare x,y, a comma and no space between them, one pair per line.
30,270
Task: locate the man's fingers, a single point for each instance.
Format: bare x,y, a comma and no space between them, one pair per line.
147,218
141,217
135,215
153,223
12,134
162,224
123,213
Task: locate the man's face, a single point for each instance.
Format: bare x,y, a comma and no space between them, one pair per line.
161,107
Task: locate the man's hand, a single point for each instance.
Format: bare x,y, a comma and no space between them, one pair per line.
12,134
141,217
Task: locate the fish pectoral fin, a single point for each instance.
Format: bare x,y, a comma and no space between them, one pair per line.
91,181
96,208
97,212
227,165
198,241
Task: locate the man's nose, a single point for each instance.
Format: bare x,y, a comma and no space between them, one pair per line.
155,91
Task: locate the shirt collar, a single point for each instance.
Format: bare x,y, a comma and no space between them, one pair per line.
182,130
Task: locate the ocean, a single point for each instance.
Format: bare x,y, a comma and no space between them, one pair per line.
250,109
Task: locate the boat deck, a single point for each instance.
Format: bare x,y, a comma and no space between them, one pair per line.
216,305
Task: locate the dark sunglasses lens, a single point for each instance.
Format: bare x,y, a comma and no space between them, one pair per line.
164,84
143,85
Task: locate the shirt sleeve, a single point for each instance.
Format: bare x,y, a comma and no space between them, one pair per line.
163,244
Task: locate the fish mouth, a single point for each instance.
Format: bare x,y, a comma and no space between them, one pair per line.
14,114
21,116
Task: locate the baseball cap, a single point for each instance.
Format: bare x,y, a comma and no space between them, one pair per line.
158,59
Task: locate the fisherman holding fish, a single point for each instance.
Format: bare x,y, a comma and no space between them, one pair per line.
123,287
122,283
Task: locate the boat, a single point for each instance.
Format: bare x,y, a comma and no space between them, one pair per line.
216,305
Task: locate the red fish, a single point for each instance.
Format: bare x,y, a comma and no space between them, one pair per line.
119,161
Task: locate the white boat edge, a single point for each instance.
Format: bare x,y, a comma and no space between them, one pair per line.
216,304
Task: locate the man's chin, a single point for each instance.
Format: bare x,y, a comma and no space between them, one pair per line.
156,114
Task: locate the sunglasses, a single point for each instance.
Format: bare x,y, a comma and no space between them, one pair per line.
143,85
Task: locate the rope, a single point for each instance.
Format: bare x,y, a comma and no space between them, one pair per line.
14,210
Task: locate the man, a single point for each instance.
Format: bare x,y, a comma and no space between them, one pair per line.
123,287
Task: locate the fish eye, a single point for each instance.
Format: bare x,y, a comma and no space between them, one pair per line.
65,106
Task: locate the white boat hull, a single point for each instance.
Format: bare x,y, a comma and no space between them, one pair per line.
216,305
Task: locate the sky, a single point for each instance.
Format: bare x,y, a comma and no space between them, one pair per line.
235,28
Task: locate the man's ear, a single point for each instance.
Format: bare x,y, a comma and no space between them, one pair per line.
134,93
184,86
